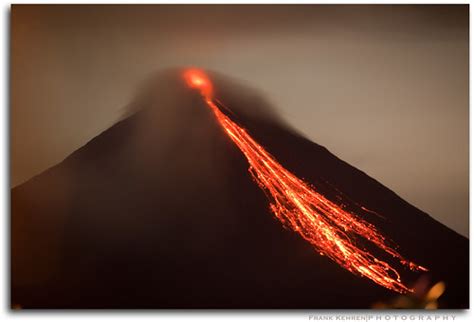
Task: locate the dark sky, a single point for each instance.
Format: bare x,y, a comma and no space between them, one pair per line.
385,88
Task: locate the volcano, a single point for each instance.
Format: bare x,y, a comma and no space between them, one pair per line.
160,211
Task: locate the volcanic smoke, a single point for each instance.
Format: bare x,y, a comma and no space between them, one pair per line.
330,229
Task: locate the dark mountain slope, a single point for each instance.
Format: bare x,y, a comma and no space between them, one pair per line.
159,211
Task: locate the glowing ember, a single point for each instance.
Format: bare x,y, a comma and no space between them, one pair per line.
327,226
197,79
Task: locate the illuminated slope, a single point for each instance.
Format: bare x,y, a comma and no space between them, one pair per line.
332,230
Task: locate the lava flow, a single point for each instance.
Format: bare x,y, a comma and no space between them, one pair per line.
330,229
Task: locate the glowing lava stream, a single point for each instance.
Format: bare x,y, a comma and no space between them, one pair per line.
324,224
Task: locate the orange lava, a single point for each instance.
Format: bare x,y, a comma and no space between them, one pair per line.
331,230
